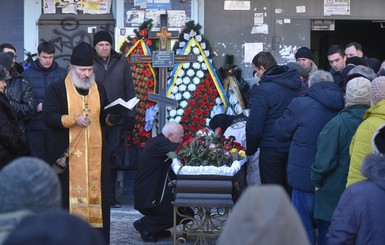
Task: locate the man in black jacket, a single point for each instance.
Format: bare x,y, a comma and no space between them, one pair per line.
152,196
114,72
19,90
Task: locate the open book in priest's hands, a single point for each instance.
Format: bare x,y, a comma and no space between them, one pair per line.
120,106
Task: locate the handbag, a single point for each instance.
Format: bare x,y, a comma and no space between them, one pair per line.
125,157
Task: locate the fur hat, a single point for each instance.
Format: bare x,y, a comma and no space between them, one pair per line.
300,69
378,90
102,36
54,228
29,183
304,52
83,55
6,59
373,167
358,91
3,74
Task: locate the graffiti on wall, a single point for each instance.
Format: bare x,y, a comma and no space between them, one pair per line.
68,34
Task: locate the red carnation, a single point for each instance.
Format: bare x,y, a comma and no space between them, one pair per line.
209,90
150,83
206,83
205,113
209,106
142,133
195,119
188,111
205,97
198,112
200,88
143,32
184,118
202,121
192,127
192,103
201,104
196,95
148,42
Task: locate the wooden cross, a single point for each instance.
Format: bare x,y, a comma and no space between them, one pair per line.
162,59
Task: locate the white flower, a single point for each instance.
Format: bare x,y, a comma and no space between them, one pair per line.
174,90
233,99
181,73
186,80
193,44
178,97
172,113
178,51
200,58
186,65
198,38
207,53
196,65
200,74
238,109
171,119
208,121
191,87
192,33
204,67
196,80
186,95
203,45
190,72
171,96
186,36
177,119
182,88
181,44
196,50
178,81
218,100
183,104
180,112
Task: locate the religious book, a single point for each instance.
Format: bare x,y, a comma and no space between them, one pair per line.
120,106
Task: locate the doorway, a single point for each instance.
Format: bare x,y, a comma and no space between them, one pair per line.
371,35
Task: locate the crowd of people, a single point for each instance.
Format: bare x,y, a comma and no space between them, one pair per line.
318,134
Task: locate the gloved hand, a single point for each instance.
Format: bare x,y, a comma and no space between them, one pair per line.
130,123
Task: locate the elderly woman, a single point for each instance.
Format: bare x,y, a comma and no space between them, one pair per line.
12,140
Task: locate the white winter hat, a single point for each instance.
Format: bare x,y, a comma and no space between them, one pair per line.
358,91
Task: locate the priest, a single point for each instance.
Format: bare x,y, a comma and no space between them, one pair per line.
73,109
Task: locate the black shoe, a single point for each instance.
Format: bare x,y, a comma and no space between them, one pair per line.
115,204
163,234
145,235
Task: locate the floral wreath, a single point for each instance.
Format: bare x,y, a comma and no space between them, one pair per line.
196,85
143,76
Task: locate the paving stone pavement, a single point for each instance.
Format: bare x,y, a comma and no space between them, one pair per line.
124,233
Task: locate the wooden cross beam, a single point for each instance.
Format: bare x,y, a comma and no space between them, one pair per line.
162,59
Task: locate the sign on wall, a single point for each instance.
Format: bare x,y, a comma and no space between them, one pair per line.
76,6
336,7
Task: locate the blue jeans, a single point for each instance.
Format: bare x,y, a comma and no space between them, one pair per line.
304,203
323,227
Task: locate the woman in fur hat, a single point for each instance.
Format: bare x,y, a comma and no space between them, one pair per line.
360,214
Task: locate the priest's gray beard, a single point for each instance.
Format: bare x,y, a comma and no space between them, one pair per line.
79,83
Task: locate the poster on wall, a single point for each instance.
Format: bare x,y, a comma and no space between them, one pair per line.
134,17
137,11
76,6
121,34
336,7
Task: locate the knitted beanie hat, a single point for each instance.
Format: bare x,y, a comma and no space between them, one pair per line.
378,90
54,227
102,36
6,59
29,183
304,52
357,91
83,55
300,69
